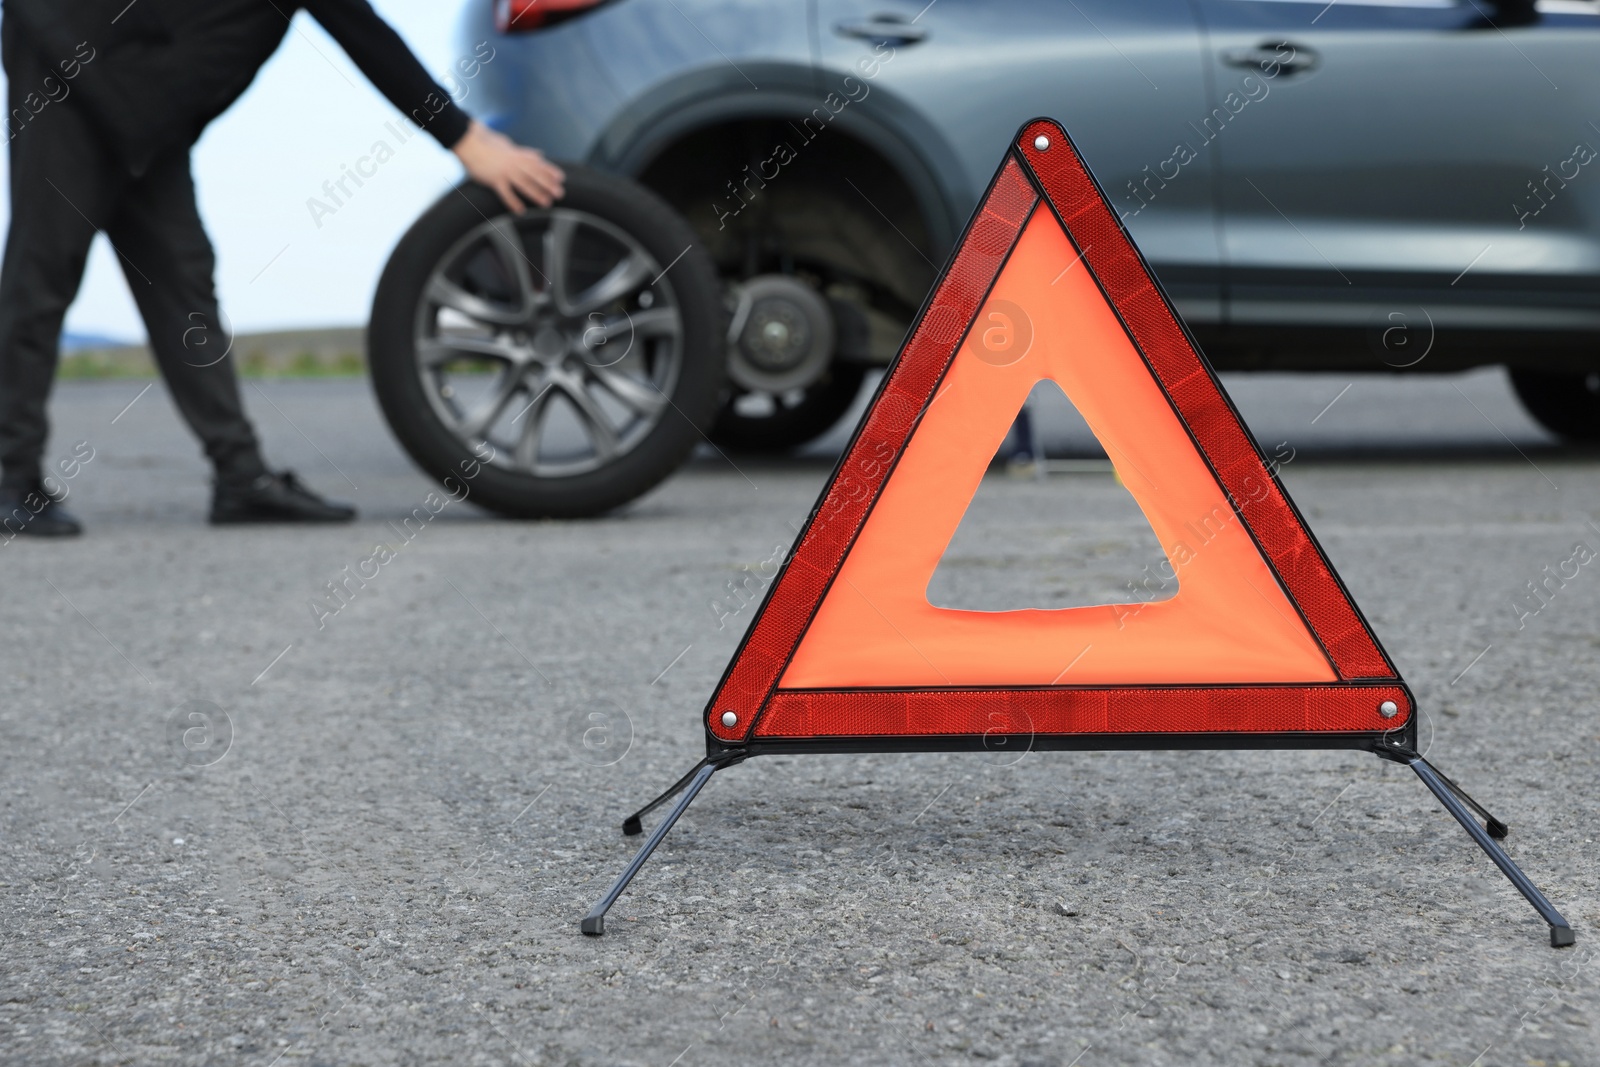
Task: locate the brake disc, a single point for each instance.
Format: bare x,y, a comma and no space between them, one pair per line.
781,336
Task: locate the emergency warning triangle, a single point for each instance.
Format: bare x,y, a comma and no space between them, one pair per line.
1261,636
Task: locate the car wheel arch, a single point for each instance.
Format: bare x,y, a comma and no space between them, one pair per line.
654,122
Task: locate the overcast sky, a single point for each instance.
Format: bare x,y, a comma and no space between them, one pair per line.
308,112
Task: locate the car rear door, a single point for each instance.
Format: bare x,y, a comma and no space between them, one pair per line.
1408,162
958,77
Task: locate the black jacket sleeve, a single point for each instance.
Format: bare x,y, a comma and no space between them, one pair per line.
386,61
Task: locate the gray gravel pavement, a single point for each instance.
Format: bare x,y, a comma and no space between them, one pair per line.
383,853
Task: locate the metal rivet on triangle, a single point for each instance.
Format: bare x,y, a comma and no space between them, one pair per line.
1041,142
1388,709
730,719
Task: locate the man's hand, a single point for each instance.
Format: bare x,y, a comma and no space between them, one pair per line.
508,168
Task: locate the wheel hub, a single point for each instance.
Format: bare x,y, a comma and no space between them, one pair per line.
781,336
777,337
549,343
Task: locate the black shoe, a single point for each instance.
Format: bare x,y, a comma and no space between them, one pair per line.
27,508
273,498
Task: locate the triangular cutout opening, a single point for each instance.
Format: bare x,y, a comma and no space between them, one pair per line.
1061,541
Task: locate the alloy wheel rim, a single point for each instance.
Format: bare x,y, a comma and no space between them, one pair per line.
549,343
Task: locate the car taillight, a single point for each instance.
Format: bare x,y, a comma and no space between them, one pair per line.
525,16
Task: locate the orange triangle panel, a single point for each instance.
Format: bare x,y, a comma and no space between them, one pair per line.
1261,636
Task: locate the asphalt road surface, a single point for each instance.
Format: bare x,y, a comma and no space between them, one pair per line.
235,835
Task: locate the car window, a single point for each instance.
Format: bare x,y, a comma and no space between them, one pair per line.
1548,7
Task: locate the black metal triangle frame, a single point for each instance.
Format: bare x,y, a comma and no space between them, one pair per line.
1398,745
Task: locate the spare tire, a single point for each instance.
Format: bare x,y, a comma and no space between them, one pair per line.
556,363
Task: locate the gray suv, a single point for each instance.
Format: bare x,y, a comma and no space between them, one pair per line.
1354,184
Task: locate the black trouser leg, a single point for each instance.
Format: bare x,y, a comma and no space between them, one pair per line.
65,185
168,261
62,187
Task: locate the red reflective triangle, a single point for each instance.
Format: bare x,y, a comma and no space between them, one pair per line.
1261,636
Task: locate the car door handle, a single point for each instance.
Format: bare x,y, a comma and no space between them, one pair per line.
882,29
1273,58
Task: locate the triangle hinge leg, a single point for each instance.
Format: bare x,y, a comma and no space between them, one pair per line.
634,824
1496,828
1458,804
594,923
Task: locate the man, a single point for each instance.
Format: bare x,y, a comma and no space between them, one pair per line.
106,98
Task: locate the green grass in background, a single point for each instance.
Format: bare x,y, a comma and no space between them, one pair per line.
327,352
136,363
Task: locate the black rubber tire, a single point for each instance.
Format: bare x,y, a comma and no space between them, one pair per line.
824,402
695,399
1565,403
